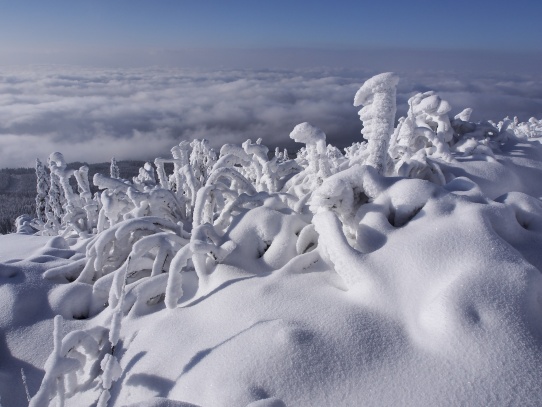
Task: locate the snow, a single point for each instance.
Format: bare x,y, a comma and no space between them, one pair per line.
406,272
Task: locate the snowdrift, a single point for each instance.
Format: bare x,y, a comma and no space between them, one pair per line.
406,271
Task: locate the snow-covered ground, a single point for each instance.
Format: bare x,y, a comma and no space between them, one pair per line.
404,272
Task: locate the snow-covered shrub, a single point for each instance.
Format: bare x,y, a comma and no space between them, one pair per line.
74,362
345,192
532,128
182,182
109,250
121,199
146,178
81,359
426,129
25,224
523,130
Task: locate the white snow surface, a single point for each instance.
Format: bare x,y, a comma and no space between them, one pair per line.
373,291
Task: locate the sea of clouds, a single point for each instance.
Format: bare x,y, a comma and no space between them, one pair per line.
92,114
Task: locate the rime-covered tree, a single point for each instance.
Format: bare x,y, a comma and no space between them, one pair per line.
377,96
114,169
42,187
56,201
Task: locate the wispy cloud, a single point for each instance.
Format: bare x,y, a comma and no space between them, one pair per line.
92,114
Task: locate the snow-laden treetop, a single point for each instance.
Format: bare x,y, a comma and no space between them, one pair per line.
381,83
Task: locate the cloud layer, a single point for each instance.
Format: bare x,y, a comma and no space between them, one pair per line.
92,114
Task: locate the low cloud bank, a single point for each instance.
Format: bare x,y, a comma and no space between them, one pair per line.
91,114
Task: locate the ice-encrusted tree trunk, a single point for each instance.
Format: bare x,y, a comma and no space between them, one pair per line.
377,96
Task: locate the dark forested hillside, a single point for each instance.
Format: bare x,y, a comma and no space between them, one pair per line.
18,188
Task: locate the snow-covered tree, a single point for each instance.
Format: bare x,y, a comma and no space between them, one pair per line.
377,96
42,196
56,202
114,169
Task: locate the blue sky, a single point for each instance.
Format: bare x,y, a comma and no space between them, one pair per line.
130,24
